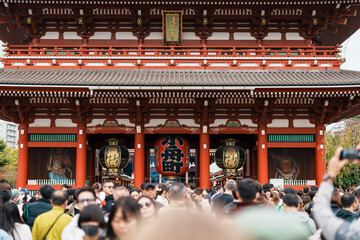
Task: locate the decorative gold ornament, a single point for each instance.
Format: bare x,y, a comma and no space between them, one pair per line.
315,21
205,21
80,21
263,21
139,21
28,20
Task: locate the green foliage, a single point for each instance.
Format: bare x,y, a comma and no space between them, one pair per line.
8,163
348,137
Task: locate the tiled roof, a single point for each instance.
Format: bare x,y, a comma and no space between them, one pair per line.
208,78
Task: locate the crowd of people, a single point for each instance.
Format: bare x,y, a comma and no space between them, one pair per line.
244,210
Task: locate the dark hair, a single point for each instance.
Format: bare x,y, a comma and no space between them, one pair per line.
128,206
289,190
198,191
84,189
10,215
59,197
314,188
306,199
97,186
305,189
65,186
347,200
162,188
247,189
300,193
92,213
5,195
135,190
192,186
46,191
291,200
311,194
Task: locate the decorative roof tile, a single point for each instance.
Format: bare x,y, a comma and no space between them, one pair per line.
201,78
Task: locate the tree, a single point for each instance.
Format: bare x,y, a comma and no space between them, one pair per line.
347,137
8,163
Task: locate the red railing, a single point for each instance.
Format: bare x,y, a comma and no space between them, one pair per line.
236,57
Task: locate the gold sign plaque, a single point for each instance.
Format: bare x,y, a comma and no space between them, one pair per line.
172,27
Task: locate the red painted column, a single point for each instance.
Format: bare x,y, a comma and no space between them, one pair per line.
320,163
139,157
263,168
80,178
204,160
23,156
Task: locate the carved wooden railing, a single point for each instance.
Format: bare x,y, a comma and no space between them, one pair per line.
173,57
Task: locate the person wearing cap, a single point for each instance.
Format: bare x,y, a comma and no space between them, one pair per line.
15,194
150,192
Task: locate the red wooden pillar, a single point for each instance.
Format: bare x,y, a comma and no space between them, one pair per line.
80,178
23,155
204,158
320,164
263,168
139,157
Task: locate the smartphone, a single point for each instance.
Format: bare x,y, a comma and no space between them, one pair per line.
351,154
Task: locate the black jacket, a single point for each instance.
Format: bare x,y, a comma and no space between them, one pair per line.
344,214
35,209
108,203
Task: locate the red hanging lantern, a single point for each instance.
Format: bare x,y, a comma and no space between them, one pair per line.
172,156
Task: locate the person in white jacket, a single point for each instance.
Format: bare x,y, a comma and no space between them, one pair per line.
13,224
84,196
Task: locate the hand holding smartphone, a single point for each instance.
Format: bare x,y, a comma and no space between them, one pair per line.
350,154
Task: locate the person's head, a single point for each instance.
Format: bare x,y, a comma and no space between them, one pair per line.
300,193
306,199
305,190
230,186
311,194
65,187
5,195
91,221
268,194
176,191
85,196
160,189
46,191
147,207
36,196
289,190
98,202
121,192
10,215
276,198
246,190
59,198
198,195
108,188
291,202
149,190
15,194
135,193
314,188
97,187
349,202
123,218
